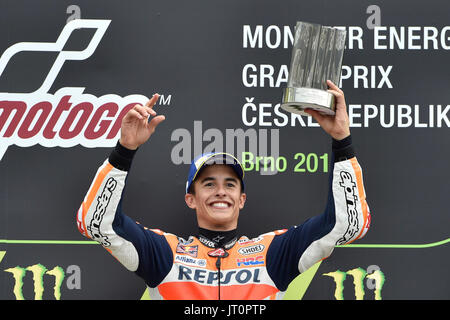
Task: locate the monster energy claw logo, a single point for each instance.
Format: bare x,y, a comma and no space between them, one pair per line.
38,271
358,275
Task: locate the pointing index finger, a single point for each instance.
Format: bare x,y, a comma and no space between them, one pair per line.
150,103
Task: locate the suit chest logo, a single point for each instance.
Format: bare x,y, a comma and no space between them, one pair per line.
252,249
187,249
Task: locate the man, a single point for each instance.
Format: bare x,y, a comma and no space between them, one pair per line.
217,264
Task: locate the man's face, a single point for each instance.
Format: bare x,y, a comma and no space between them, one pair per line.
217,199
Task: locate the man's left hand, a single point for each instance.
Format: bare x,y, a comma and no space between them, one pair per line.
337,126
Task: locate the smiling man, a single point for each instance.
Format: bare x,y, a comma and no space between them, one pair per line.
217,194
217,263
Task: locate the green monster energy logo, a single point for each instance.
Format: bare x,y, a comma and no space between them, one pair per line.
358,274
38,271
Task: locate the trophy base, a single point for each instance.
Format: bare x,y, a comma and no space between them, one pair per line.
296,100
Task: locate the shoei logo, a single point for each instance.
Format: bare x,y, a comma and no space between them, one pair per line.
252,249
69,116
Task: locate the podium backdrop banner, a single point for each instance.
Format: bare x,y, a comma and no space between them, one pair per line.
69,71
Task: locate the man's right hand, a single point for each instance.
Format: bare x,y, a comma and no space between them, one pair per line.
135,128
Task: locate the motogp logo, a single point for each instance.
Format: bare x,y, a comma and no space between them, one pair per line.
68,117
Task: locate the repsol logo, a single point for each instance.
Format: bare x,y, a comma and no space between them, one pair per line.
102,203
210,277
351,199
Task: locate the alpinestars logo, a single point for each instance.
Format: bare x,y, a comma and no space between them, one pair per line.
69,116
97,217
349,187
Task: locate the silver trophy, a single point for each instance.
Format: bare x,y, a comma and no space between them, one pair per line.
316,57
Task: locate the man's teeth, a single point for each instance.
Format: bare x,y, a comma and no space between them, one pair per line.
220,204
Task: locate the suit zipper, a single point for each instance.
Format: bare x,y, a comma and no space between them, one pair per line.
218,273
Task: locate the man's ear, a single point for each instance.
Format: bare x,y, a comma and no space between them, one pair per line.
242,199
190,200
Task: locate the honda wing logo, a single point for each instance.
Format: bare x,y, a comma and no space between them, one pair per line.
69,116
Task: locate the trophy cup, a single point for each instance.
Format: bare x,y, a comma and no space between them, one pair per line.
316,57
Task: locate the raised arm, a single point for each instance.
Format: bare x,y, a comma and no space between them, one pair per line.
346,217
100,216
